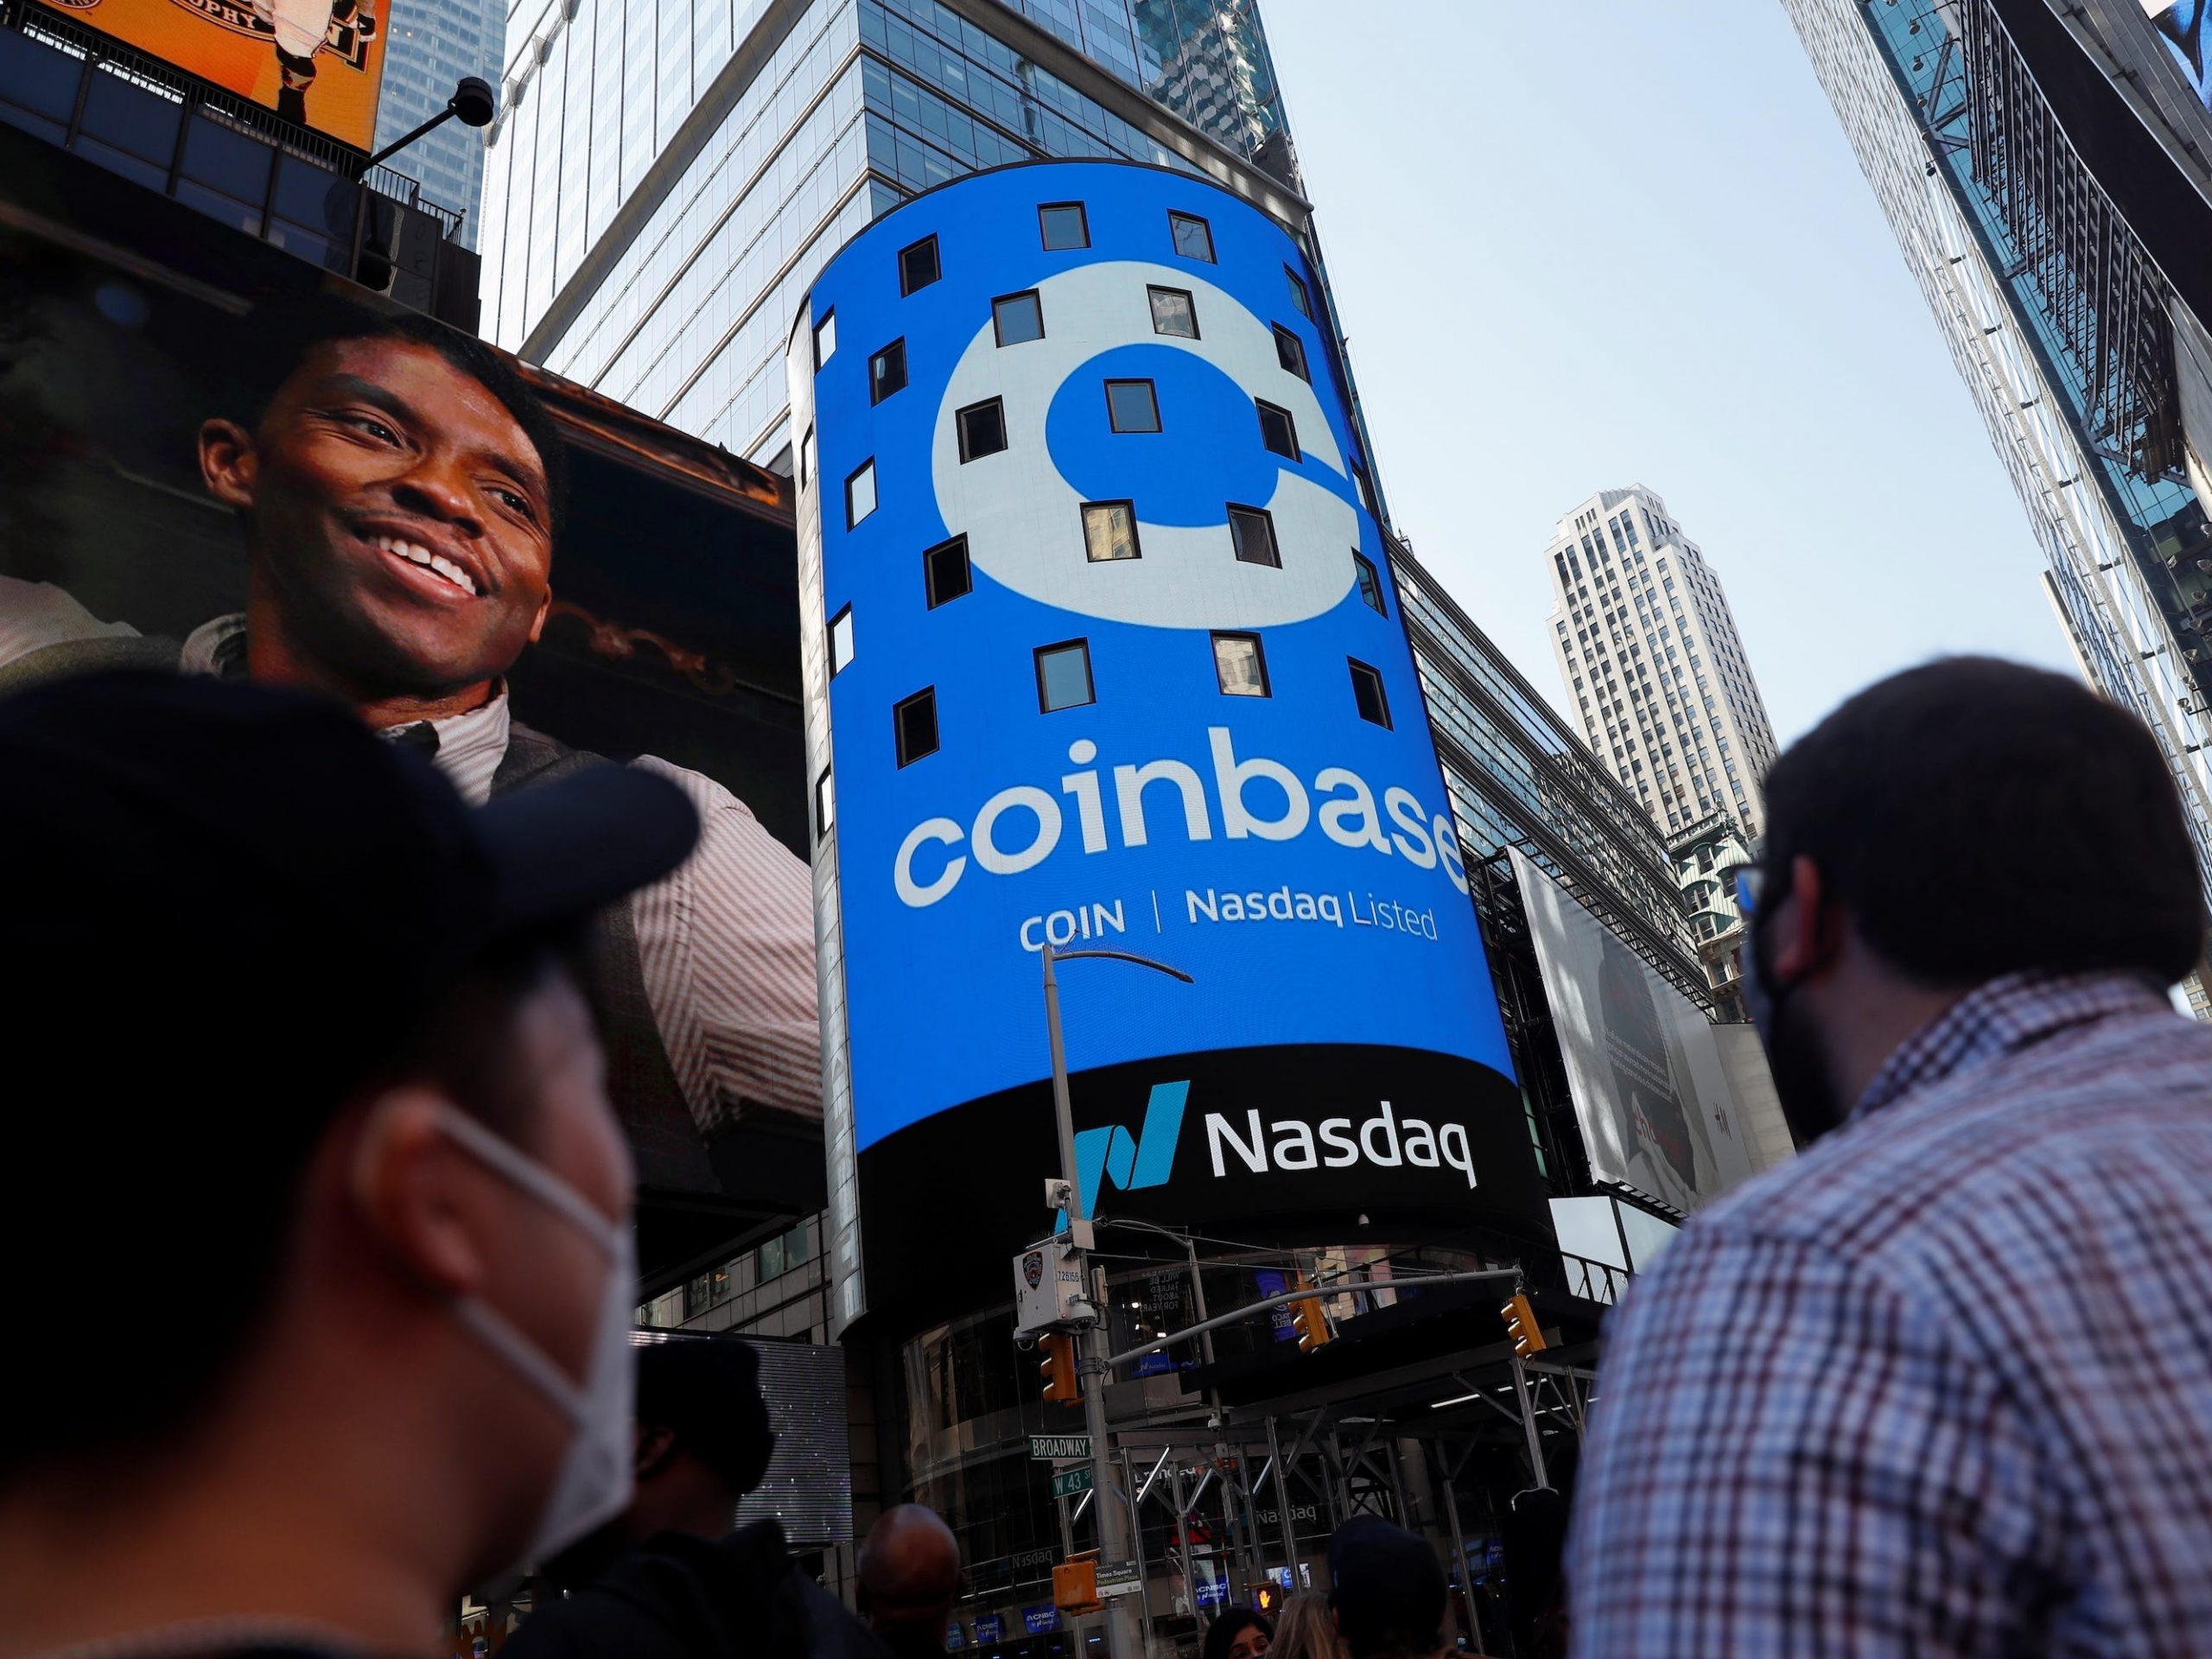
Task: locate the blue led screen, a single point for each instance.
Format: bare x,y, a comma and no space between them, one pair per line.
1162,714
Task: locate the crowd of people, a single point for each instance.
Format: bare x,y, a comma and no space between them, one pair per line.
1940,1386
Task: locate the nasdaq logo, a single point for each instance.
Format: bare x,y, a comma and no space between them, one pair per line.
1104,1155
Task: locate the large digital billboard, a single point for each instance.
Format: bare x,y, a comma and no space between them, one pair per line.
1650,1090
149,355
1109,655
318,62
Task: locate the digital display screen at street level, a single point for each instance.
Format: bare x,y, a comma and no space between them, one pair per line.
1110,657
318,63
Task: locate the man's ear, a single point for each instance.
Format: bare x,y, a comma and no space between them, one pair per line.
227,462
417,1195
655,1447
1805,935
544,610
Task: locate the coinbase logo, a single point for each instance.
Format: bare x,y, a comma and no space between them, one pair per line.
1018,507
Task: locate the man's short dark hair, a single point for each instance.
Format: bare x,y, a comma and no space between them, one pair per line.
286,332
705,1391
1388,1589
1976,818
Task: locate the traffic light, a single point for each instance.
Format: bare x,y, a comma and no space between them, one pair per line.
1308,1320
1075,1587
1521,1324
1057,1369
1267,1599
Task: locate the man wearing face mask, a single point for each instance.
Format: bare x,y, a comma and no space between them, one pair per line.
304,1095
1943,1383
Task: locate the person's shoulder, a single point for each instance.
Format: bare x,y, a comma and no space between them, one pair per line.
1899,1181
708,796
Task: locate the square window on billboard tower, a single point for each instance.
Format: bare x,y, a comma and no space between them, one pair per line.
1109,530
1277,430
1290,352
1299,296
1193,235
1132,406
918,266
826,338
945,575
1253,533
982,429
886,372
1064,224
860,493
1367,692
1173,312
1239,666
913,722
1063,675
841,641
1018,318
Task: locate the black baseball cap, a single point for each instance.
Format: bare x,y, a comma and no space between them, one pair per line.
1387,1586
244,853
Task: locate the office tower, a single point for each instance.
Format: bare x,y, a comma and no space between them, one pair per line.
2048,172
664,182
428,46
1652,664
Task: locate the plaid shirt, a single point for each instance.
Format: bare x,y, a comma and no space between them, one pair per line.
1943,1385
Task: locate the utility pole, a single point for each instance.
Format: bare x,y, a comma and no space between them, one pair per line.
1115,1547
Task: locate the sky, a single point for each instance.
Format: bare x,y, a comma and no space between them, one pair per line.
1579,247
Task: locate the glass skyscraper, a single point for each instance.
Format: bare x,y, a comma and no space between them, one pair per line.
2057,319
429,45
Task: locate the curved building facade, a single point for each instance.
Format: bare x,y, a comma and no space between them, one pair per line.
1104,650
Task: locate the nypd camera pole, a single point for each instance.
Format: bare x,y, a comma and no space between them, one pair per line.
1115,1545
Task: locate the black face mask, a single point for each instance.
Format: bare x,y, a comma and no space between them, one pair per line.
1796,1052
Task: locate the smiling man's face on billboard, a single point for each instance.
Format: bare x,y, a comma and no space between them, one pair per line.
398,523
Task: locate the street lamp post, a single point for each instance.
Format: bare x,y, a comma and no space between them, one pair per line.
1114,1533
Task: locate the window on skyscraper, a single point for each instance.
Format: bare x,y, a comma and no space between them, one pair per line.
1299,296
1193,235
1173,312
1132,406
1063,675
886,372
1277,431
1367,693
1370,586
945,575
1109,531
982,429
841,641
1252,533
918,266
1290,352
1018,318
913,722
1239,666
1064,225
860,493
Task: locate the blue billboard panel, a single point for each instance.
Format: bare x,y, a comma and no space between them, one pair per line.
1112,657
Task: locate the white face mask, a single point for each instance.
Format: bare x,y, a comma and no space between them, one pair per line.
593,1484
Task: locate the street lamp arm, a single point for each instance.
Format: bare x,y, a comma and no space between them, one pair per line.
1473,1276
1124,956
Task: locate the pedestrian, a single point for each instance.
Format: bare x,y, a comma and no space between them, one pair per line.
1238,1633
909,1579
1304,1630
1943,1383
299,1077
1386,1590
668,1578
